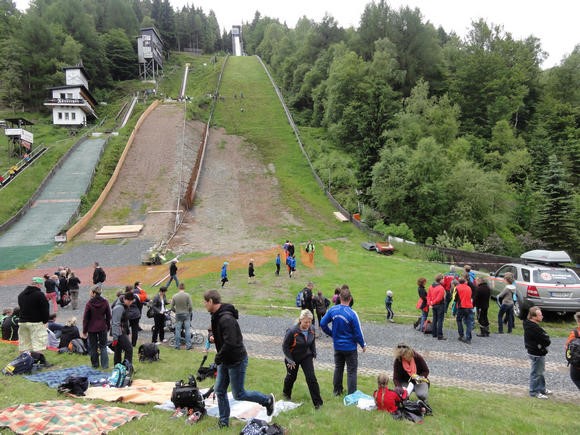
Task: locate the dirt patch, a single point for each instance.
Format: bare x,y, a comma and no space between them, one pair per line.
237,207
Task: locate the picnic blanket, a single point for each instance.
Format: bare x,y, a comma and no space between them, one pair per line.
239,409
140,391
65,416
54,378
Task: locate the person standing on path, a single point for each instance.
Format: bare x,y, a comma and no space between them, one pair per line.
172,274
99,275
464,301
159,305
482,305
436,300
307,303
120,328
34,312
506,304
224,273
96,324
321,305
346,333
183,308
51,292
231,358
423,306
299,347
73,286
574,369
536,341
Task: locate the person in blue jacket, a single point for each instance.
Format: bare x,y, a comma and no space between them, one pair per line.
225,273
346,333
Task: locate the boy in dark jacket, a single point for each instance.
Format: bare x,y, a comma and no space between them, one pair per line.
536,341
231,358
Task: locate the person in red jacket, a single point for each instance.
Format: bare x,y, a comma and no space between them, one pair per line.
385,399
436,300
464,301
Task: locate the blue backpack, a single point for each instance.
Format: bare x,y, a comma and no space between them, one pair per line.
22,364
122,375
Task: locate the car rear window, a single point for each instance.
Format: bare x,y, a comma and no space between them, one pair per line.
555,276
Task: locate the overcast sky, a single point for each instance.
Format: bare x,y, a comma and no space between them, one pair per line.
554,22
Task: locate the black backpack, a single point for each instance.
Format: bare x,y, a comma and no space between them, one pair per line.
257,427
148,352
76,385
22,364
573,351
188,396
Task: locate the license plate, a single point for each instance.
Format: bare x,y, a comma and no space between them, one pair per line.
560,294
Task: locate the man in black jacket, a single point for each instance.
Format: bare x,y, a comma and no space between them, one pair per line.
34,314
231,358
481,302
537,342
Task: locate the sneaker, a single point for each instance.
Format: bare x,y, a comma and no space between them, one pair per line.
164,340
548,392
541,396
391,320
317,407
194,417
460,338
287,398
178,413
441,338
270,405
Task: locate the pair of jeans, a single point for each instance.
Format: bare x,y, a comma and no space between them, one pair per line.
465,315
172,278
508,311
424,315
537,380
123,345
98,344
307,365
350,358
234,374
182,329
438,319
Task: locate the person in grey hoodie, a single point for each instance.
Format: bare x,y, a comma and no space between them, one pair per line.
506,304
120,329
96,324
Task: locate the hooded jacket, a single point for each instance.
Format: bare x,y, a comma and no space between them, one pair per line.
346,331
228,338
535,338
97,315
33,305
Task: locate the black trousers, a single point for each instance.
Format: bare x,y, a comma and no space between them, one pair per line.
159,328
123,345
134,325
307,365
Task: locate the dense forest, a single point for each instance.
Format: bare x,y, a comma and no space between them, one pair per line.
462,142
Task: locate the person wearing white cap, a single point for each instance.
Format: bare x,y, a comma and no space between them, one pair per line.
34,312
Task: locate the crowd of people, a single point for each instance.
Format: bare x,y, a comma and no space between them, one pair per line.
115,328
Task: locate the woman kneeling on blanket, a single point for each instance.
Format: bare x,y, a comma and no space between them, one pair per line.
410,371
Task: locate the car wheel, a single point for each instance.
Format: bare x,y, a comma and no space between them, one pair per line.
519,311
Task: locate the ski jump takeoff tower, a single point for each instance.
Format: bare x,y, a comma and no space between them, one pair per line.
150,53
237,46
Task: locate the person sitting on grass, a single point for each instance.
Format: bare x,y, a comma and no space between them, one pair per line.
385,399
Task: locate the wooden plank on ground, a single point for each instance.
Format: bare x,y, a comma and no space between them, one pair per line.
118,231
340,216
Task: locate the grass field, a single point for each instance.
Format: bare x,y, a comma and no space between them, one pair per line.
455,410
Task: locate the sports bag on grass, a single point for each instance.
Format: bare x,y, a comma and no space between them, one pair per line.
148,352
258,427
188,395
76,385
78,345
22,364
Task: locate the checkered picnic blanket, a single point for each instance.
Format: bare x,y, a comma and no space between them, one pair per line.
65,416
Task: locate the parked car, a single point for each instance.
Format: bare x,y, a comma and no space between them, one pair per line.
384,248
541,281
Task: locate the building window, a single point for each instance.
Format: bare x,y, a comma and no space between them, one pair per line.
66,116
73,116
62,96
69,95
60,115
